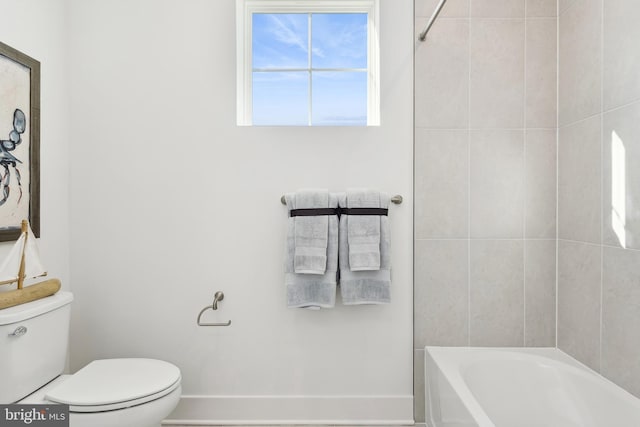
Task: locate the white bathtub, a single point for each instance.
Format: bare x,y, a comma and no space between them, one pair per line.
520,387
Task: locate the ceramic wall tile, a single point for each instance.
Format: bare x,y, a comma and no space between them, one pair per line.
496,74
621,60
542,8
540,293
541,74
451,9
497,8
418,386
441,184
580,62
621,177
579,181
442,75
497,293
540,183
497,184
620,317
579,278
441,293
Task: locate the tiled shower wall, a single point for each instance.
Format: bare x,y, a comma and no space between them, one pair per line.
599,186
485,176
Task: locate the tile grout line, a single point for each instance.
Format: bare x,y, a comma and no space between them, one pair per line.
557,161
469,176
617,107
524,180
413,224
486,18
462,129
488,238
581,242
601,179
602,111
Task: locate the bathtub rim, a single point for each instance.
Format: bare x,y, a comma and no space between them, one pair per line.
450,361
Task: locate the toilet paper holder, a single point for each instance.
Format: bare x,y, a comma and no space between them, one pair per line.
218,296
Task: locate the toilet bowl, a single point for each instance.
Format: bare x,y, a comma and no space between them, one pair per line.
105,393
115,392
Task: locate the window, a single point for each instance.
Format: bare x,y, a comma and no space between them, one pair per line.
308,63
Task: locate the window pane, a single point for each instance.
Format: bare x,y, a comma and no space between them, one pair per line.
339,40
339,98
281,99
280,40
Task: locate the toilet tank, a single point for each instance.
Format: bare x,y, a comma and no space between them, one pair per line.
33,345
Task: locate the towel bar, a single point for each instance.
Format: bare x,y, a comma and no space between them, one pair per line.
397,199
219,296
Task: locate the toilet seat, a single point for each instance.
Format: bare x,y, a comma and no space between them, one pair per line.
111,384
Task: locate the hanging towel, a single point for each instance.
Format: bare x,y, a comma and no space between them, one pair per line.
363,231
311,233
311,290
365,286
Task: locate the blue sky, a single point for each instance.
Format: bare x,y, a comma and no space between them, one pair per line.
281,41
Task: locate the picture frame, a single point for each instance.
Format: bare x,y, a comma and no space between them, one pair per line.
19,142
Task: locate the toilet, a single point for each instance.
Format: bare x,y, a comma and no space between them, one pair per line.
131,392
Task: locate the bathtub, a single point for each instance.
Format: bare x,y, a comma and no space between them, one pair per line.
520,387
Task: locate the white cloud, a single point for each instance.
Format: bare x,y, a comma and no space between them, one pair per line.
287,30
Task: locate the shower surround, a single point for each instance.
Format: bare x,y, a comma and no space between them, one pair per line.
485,177
489,180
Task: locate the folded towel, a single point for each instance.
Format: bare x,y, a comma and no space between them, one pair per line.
363,231
312,291
362,286
311,232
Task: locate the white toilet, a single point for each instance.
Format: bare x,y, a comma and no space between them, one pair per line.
105,393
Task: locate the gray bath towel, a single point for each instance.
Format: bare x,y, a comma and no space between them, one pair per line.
311,232
312,291
363,231
365,287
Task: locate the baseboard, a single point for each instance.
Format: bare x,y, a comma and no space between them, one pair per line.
272,410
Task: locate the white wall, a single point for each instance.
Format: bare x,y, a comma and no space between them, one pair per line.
37,28
171,201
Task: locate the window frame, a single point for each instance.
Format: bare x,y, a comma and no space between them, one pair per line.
244,38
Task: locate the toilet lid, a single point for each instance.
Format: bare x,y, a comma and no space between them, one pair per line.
116,383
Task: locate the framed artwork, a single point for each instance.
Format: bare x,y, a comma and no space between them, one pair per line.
19,142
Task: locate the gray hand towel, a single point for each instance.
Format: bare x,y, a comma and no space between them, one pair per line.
312,291
365,287
363,231
311,232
